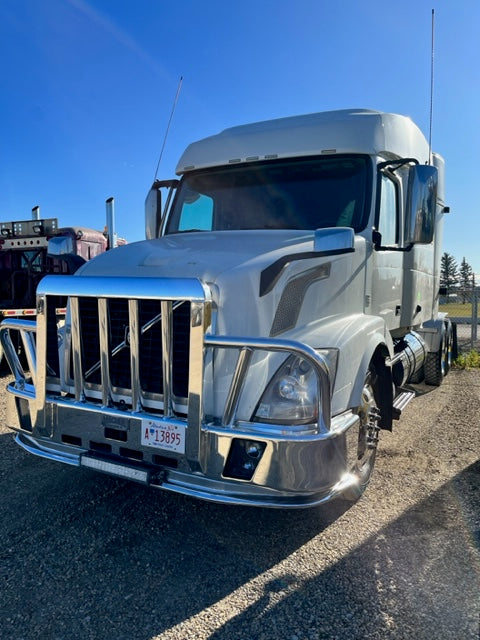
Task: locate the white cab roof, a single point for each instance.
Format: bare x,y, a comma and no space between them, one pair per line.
347,131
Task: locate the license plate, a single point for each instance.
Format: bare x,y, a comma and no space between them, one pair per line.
163,435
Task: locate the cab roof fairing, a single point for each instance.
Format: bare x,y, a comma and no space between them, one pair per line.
346,131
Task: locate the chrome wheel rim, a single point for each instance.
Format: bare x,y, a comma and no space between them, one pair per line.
368,430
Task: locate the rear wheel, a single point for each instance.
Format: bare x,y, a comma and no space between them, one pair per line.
363,441
438,363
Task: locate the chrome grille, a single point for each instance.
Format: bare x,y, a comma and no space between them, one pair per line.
130,348
150,345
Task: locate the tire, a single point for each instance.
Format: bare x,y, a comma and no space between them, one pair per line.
438,363
365,440
417,377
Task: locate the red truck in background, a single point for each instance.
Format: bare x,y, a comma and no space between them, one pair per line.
32,249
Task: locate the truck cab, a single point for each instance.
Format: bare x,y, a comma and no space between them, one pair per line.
253,347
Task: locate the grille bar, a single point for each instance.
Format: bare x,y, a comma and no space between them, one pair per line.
104,360
77,350
167,318
134,354
243,363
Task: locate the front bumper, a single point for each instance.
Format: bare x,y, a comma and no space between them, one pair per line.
301,467
301,471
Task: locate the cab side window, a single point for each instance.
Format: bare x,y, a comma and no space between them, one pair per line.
387,216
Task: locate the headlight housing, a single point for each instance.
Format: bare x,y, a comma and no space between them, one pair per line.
292,395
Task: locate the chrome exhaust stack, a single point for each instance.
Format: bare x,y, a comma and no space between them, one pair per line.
111,231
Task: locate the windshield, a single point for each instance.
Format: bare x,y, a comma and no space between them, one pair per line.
288,194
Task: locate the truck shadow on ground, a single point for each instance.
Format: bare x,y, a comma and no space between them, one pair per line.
419,577
88,556
92,556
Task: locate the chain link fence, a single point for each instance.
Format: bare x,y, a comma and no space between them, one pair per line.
462,308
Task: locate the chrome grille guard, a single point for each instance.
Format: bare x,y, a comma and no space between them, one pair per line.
168,292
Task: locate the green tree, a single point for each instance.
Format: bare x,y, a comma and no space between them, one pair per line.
466,280
448,273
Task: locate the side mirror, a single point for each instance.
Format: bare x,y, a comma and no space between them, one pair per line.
334,240
153,206
153,212
421,204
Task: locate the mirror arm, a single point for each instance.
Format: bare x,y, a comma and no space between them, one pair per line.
169,184
393,165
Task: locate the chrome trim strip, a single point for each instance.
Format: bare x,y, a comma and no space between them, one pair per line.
34,446
238,379
104,351
134,339
79,381
167,349
38,417
27,392
280,502
139,288
195,380
30,353
257,431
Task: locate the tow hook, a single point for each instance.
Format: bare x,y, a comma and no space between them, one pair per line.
159,477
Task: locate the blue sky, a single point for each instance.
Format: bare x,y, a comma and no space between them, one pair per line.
88,88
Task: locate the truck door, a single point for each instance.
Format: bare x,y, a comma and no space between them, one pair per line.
387,280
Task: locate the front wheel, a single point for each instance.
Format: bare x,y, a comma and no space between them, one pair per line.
362,442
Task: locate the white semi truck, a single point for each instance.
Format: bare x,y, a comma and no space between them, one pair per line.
251,349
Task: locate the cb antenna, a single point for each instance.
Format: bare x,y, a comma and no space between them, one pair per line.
168,126
431,87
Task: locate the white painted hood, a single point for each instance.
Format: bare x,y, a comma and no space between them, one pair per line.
231,264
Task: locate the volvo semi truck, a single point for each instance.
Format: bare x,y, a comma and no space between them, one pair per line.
253,347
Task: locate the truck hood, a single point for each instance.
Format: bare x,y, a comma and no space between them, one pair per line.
258,279
203,255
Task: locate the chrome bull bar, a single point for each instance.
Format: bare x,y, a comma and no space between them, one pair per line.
27,330
34,338
246,347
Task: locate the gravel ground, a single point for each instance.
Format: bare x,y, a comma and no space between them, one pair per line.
88,556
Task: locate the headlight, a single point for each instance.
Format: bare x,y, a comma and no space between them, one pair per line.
291,397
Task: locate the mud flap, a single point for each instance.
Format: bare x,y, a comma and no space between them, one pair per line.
385,392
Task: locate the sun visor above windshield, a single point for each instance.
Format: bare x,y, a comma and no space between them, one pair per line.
347,131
